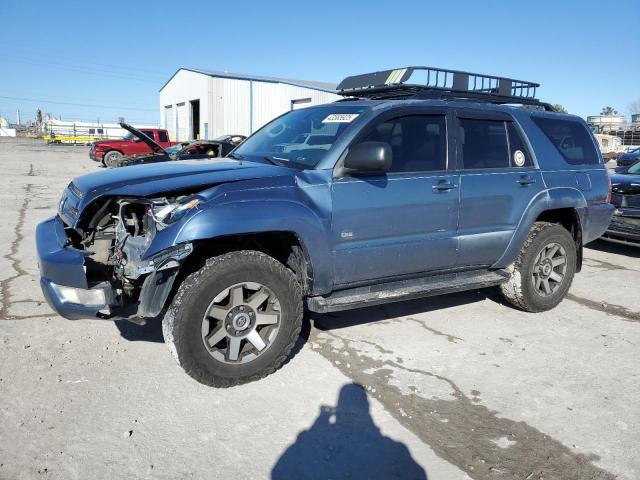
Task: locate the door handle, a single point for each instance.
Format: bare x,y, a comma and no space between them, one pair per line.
526,179
443,186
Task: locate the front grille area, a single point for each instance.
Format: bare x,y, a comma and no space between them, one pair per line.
625,223
620,200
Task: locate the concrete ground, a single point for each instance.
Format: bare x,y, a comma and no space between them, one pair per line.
455,387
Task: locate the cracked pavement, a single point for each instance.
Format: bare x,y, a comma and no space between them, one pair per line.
454,387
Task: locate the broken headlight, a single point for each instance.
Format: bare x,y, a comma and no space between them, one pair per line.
168,213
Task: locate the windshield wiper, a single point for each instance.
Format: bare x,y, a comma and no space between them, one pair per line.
235,156
272,160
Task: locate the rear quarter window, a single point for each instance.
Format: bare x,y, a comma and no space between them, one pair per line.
571,139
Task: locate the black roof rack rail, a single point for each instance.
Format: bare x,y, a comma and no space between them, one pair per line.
438,83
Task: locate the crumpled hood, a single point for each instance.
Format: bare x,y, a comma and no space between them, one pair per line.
155,178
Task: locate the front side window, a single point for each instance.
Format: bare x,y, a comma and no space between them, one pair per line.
300,138
163,137
418,142
484,144
571,139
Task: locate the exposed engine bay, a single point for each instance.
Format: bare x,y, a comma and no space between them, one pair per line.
117,232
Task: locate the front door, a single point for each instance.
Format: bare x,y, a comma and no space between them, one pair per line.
403,221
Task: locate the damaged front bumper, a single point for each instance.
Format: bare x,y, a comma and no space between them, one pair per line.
65,287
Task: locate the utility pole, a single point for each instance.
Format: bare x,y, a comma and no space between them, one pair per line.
18,116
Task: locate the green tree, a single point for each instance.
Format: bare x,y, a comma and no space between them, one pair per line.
559,108
608,111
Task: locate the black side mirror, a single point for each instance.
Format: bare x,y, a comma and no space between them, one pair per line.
369,157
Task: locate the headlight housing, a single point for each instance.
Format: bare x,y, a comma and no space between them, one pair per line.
168,213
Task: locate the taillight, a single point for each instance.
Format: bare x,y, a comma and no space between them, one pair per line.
609,189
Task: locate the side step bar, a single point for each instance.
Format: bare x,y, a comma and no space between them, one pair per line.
406,290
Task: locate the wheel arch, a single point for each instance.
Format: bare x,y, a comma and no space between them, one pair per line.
566,206
279,228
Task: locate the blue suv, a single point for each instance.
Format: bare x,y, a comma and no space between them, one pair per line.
400,190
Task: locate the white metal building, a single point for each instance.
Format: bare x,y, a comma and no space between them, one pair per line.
208,103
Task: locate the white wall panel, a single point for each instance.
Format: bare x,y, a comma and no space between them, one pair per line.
232,106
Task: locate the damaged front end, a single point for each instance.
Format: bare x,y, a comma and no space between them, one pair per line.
110,239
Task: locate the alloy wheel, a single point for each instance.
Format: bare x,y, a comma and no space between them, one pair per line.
241,323
549,269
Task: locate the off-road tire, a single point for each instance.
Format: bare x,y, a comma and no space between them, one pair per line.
519,291
111,159
182,323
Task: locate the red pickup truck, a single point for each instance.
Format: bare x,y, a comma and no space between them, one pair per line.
110,151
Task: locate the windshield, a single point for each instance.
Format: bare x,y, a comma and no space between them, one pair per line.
129,136
300,138
174,149
634,169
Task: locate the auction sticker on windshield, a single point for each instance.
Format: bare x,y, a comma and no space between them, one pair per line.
341,118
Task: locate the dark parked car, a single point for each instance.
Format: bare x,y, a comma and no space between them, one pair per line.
627,159
196,149
625,196
413,190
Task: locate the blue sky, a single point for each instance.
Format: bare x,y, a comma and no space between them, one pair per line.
89,60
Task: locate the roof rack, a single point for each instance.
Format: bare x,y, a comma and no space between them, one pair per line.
438,83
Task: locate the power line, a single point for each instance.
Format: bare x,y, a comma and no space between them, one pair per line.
79,104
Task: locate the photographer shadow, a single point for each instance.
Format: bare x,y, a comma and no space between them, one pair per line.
344,442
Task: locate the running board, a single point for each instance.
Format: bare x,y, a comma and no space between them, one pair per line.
406,290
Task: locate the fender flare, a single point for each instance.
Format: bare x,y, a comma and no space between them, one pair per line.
549,199
256,216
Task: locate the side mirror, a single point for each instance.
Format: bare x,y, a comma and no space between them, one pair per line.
369,157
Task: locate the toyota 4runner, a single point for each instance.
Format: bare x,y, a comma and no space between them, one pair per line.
457,182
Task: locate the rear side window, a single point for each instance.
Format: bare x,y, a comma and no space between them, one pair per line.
518,152
484,144
418,142
570,138
162,136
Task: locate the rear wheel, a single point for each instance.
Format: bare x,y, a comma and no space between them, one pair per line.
544,269
112,158
235,320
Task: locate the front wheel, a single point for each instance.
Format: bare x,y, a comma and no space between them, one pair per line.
112,158
544,269
235,320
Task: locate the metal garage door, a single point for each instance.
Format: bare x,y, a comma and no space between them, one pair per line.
169,121
181,112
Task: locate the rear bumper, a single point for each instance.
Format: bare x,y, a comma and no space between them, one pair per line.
62,275
597,221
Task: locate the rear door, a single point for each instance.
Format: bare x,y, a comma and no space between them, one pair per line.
498,178
403,221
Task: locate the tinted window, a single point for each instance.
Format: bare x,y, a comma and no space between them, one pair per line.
162,136
484,143
418,142
148,133
570,138
518,152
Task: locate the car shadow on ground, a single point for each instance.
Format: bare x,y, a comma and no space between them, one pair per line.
616,248
149,332
152,330
344,442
